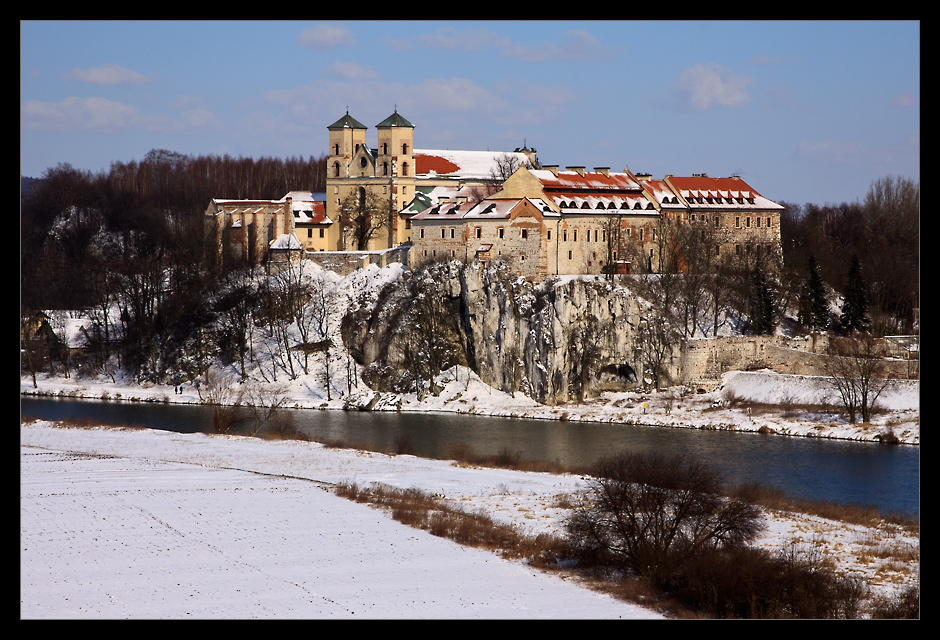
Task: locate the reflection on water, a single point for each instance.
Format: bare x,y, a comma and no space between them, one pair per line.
864,473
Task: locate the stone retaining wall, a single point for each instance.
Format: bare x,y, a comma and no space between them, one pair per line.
345,262
704,361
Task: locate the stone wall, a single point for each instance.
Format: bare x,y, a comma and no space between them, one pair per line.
345,262
704,361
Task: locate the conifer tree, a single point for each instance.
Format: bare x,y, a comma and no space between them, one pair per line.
814,307
855,303
762,320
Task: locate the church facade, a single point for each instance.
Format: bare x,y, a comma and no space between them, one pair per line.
393,181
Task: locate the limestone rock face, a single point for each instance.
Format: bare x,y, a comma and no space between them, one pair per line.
554,341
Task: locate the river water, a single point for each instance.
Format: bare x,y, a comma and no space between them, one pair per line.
884,476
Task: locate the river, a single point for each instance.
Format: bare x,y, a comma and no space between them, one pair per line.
885,476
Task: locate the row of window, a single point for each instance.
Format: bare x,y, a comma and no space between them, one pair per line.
363,163
640,232
524,234
737,220
404,148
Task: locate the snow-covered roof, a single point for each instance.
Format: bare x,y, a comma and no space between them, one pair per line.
286,241
462,164
587,180
488,209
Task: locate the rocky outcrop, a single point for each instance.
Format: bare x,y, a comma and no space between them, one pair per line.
555,341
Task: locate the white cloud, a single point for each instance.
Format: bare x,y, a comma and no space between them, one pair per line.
351,71
77,114
709,85
457,94
325,36
576,45
194,115
469,39
107,75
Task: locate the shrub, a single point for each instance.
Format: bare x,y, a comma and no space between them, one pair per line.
745,582
647,512
905,604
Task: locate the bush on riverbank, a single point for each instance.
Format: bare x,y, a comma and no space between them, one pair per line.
667,521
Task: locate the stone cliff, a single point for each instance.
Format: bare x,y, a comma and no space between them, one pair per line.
556,341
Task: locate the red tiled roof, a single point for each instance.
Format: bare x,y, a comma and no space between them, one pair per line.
591,180
704,183
425,164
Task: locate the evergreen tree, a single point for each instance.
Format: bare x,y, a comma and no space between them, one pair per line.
762,320
814,307
855,303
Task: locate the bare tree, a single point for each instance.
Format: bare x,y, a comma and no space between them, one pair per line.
858,373
236,309
363,214
224,395
266,405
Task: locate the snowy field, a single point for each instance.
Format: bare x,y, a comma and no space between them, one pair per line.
135,524
149,524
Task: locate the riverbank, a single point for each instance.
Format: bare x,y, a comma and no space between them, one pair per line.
762,401
139,523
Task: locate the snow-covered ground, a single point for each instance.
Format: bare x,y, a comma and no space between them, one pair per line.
463,392
128,523
149,524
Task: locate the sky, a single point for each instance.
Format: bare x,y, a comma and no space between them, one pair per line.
805,112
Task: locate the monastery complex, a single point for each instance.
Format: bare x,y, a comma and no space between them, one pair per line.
491,205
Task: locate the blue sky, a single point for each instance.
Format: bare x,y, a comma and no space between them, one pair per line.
804,111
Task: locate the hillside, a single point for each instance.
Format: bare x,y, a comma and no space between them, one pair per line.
744,401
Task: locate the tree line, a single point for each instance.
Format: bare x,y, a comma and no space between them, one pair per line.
867,251
74,222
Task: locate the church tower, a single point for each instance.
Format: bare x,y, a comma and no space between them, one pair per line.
346,136
395,162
